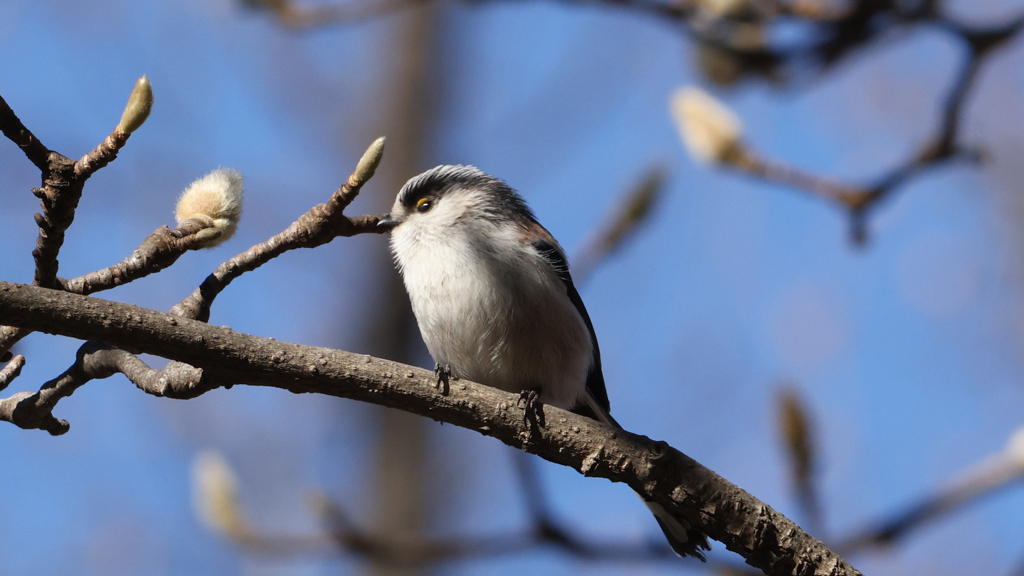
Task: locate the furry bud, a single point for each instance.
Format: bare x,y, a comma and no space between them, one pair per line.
215,200
710,131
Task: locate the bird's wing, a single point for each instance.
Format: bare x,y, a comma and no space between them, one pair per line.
552,253
684,539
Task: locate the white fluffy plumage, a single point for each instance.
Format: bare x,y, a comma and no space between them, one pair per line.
496,316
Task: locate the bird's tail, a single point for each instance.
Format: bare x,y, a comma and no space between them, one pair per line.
684,539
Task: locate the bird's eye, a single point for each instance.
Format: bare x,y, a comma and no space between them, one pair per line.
423,204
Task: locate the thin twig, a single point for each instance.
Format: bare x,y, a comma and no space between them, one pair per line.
16,132
418,551
11,371
158,251
297,17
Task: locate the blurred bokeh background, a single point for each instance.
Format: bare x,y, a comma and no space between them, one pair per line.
736,296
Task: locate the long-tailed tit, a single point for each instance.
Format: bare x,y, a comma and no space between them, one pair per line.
495,304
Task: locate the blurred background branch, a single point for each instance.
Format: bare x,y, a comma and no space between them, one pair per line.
998,472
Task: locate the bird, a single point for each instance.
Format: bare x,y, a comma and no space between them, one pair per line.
495,303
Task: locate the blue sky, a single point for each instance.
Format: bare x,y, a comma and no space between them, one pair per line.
907,350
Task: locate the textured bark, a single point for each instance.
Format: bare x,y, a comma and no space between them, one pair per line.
62,182
765,538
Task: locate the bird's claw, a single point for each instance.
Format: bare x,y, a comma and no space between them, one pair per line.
444,375
533,412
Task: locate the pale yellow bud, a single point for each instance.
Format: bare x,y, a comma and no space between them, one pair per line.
215,200
710,131
1015,446
215,494
139,104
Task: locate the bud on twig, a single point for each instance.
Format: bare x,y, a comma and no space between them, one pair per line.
215,495
627,216
139,104
215,200
710,131
796,434
367,165
1015,447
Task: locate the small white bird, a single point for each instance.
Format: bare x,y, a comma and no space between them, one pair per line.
495,304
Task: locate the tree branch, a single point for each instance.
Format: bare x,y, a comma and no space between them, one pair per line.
765,538
63,181
16,132
158,251
996,473
11,371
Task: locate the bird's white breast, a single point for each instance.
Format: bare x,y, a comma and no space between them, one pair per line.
499,317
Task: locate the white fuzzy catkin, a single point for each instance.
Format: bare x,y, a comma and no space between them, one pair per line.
710,131
215,199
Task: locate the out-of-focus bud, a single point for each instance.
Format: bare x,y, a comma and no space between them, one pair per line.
215,200
215,495
636,208
1015,447
710,131
139,104
796,433
627,217
724,7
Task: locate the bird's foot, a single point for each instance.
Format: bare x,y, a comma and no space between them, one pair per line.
444,375
533,410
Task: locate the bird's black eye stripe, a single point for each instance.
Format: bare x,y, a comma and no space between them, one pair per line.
413,199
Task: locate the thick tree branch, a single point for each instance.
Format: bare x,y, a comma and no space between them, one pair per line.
765,538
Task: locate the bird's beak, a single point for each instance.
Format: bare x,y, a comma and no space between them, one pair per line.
387,223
